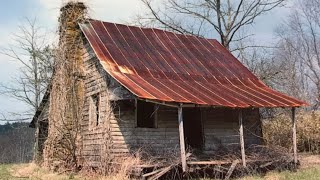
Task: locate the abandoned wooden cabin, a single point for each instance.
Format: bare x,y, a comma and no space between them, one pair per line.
158,91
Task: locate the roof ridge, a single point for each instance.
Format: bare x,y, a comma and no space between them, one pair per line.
150,28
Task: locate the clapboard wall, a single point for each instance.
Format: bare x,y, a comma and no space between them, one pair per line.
221,128
41,133
97,81
127,138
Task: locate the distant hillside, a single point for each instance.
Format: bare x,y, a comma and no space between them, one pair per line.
16,143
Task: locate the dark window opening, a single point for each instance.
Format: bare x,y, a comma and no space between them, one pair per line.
122,107
146,114
96,109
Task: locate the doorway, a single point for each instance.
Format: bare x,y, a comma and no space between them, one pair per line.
193,129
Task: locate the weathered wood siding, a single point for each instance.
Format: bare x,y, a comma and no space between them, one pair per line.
97,81
41,133
127,138
221,128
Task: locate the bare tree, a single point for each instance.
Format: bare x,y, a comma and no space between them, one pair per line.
31,51
207,18
299,45
262,62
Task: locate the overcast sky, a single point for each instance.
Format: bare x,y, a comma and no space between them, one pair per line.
12,13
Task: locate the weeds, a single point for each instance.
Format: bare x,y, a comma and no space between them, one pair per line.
277,132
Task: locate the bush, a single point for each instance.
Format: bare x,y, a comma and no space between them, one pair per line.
278,131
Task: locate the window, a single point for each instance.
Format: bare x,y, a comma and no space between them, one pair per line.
122,107
146,114
95,110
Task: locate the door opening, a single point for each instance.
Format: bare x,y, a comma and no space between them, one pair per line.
193,129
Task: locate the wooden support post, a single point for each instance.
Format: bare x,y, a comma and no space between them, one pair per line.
136,112
243,154
294,135
182,144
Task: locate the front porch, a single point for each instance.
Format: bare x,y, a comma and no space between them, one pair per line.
202,160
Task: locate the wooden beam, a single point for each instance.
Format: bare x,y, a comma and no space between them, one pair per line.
175,105
209,162
135,112
294,135
243,154
161,103
231,169
155,114
182,143
217,162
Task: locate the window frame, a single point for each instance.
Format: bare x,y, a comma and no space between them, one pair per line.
95,107
155,116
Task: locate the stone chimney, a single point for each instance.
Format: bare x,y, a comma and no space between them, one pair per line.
63,145
70,15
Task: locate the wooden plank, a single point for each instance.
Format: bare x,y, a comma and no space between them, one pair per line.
116,125
156,137
151,142
209,162
135,112
231,169
120,146
182,143
222,162
161,173
143,130
122,121
120,150
156,118
243,154
294,135
160,103
152,173
146,134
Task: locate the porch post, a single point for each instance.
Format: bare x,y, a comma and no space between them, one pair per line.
182,144
294,135
243,155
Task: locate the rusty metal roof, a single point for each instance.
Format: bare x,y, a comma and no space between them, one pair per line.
164,66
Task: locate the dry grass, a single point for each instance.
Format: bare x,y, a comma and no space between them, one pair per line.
120,170
310,171
277,131
33,171
309,160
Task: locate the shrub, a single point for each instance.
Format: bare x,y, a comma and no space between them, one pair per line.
278,131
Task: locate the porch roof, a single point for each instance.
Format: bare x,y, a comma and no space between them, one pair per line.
163,66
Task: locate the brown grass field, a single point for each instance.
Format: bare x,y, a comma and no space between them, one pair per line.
309,170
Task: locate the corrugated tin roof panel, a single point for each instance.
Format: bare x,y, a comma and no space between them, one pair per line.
164,66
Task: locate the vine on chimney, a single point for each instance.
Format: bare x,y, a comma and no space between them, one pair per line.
63,146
